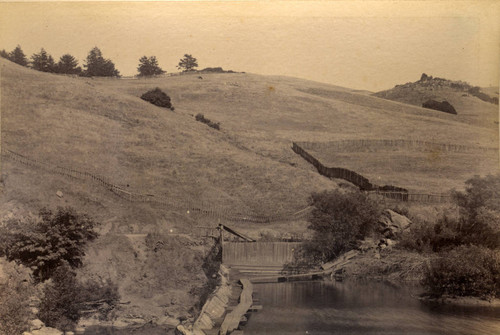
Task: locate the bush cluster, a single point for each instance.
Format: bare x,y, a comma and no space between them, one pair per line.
201,118
339,221
52,246
468,245
158,98
465,271
65,299
16,288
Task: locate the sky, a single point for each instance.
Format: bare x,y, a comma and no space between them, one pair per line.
366,45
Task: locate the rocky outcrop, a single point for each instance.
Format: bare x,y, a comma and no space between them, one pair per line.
391,223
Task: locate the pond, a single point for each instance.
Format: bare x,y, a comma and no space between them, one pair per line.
354,307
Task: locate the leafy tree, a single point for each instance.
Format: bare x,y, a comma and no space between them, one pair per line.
68,65
188,63
339,220
97,66
17,56
149,67
47,243
42,61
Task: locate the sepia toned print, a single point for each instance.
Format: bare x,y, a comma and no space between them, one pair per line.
322,167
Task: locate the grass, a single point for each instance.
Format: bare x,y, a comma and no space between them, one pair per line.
102,126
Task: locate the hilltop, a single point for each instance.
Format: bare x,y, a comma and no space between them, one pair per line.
468,100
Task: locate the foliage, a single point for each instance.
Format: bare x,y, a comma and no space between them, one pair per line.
157,97
65,299
187,63
97,66
149,67
478,222
68,65
15,290
42,61
49,242
17,56
339,221
464,271
201,118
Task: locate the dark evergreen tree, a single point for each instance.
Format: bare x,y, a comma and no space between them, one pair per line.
17,56
4,54
149,67
68,65
188,63
43,61
97,66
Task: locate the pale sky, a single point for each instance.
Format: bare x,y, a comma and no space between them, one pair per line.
370,45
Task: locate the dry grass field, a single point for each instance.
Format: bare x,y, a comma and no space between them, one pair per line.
103,127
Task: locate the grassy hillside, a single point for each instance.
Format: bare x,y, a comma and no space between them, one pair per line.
102,126
470,108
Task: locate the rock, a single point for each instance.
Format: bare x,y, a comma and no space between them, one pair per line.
167,321
59,194
182,330
47,331
36,324
69,333
391,223
80,330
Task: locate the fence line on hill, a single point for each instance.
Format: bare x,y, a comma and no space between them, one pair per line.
366,144
193,207
389,192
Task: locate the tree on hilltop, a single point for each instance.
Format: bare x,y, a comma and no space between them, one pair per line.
17,56
188,63
149,67
68,65
4,54
97,66
42,61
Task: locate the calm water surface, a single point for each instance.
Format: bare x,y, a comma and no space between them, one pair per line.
325,307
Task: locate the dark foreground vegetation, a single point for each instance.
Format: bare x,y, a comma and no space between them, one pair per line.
44,253
463,250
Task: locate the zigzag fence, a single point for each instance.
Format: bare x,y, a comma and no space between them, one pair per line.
191,208
387,192
374,145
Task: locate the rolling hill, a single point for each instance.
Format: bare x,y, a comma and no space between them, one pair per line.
101,126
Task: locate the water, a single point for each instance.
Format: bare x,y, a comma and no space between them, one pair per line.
325,307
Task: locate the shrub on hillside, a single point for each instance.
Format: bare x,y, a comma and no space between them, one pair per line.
16,289
464,271
158,98
48,242
339,221
201,118
443,106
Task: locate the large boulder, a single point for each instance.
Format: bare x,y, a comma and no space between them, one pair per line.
391,223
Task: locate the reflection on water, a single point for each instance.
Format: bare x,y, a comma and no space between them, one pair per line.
324,307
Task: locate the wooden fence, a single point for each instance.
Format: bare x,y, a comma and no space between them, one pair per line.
193,207
258,253
387,191
361,145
